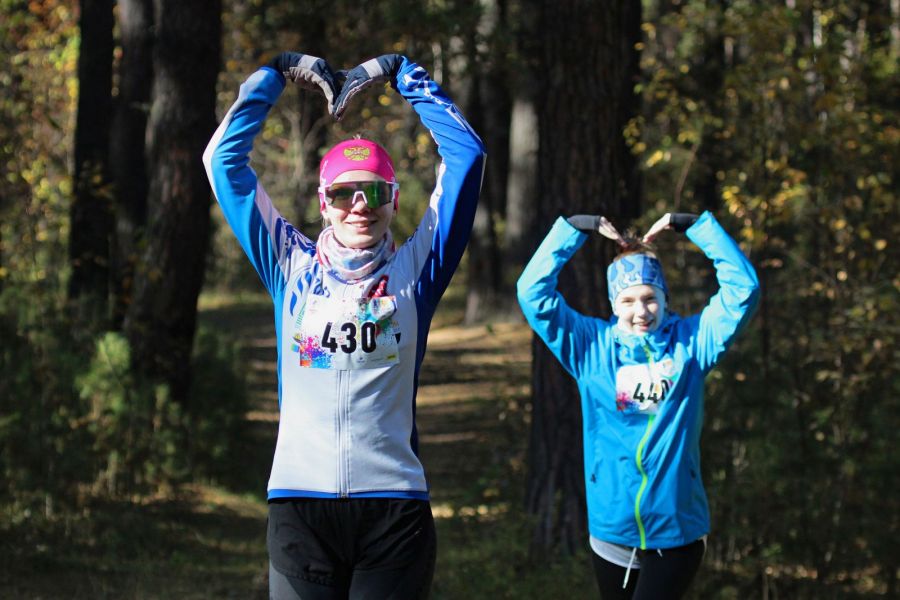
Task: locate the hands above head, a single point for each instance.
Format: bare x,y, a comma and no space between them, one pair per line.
313,73
679,222
375,70
308,72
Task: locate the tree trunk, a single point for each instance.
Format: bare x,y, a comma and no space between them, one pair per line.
128,148
711,156
90,213
488,294
521,183
310,121
584,166
161,320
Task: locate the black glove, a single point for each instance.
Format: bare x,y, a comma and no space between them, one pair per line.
586,223
676,221
680,222
308,72
376,70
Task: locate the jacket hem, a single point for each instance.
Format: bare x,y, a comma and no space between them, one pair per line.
289,493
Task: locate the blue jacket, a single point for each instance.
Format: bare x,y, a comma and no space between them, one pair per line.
348,353
641,396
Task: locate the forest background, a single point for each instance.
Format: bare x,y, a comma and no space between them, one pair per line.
124,392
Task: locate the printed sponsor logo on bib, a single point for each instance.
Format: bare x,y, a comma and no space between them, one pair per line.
348,333
638,389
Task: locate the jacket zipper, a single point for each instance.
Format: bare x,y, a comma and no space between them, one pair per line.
343,432
639,458
344,421
639,453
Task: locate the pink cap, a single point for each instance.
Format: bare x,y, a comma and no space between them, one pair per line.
353,155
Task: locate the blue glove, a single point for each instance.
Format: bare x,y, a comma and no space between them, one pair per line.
308,72
376,70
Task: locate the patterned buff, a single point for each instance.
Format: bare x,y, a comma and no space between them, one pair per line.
352,264
634,269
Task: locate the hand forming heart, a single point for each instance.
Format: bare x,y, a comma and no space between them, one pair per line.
339,88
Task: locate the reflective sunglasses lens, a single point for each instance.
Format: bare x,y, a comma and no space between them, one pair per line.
378,193
340,195
343,195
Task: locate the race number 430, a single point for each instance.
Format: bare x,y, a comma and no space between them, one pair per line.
350,336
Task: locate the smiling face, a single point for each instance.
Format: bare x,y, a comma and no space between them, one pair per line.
640,308
359,226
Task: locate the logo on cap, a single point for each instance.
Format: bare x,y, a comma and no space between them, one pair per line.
357,153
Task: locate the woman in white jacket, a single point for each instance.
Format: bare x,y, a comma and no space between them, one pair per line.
349,515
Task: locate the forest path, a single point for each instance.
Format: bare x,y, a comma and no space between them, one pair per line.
208,540
471,418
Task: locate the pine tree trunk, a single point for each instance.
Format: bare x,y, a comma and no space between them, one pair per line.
162,318
488,294
589,66
91,210
310,121
521,184
127,147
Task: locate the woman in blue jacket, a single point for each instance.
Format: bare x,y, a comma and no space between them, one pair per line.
349,512
640,376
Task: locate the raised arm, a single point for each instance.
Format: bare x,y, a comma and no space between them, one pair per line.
565,331
729,310
441,237
266,237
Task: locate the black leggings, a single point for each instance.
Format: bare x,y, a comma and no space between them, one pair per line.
360,549
410,583
661,577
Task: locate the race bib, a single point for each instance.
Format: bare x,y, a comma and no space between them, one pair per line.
346,333
642,387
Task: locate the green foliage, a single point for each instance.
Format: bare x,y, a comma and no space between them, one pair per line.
797,137
216,425
40,440
142,440
74,418
134,426
781,117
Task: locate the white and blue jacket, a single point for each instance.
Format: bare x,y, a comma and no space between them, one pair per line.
641,396
349,354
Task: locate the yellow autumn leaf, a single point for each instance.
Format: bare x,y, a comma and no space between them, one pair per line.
655,158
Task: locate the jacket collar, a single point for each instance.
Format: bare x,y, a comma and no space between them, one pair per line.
633,346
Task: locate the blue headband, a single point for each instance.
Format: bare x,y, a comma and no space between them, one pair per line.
634,269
